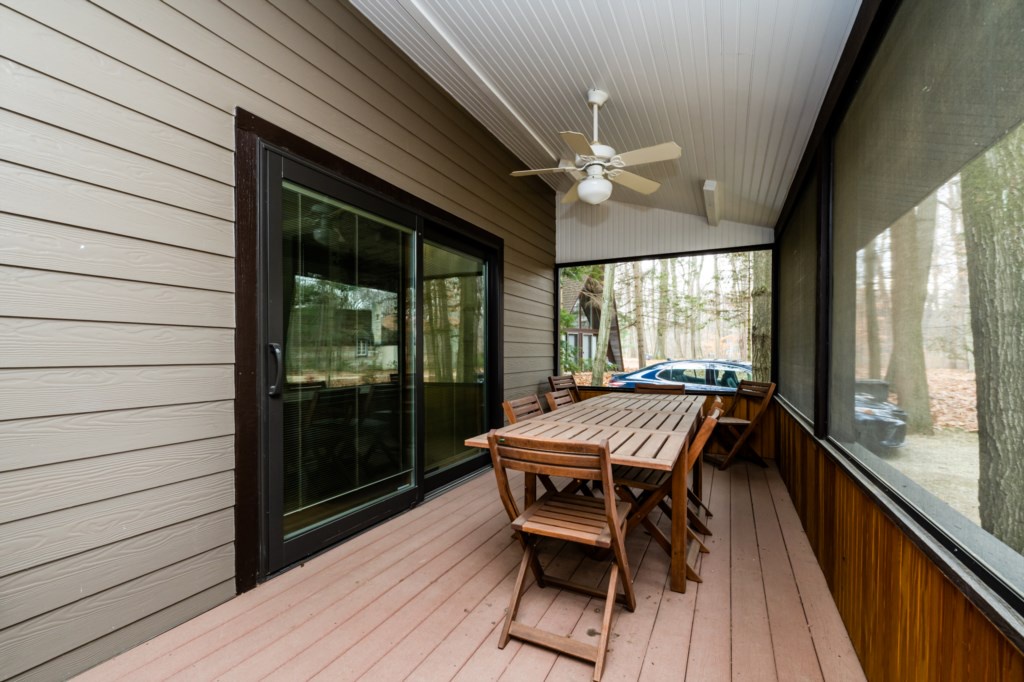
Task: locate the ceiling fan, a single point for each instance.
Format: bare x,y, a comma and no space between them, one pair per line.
597,165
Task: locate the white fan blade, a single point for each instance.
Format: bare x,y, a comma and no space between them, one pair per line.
635,182
539,171
659,152
577,142
572,195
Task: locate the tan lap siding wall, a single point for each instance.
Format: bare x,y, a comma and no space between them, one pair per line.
117,284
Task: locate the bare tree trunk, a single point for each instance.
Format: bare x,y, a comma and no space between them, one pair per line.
717,311
675,307
912,240
993,209
638,308
697,307
871,311
761,323
469,320
662,323
600,358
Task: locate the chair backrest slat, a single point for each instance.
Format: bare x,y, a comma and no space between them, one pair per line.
558,399
701,438
665,389
522,408
565,382
551,457
759,392
582,463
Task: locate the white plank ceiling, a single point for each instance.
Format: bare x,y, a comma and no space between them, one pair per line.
736,83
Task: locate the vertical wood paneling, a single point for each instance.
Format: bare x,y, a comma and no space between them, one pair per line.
906,620
615,230
117,306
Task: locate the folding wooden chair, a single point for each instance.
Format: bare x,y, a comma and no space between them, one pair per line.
522,408
696,494
566,382
558,399
593,522
736,431
664,389
656,486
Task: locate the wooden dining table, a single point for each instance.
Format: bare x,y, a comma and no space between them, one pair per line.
649,431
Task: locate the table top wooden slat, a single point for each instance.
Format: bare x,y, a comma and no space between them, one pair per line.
649,431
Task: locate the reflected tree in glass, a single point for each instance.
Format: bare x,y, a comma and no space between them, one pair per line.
993,209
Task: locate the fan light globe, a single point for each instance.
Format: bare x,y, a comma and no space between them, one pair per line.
594,190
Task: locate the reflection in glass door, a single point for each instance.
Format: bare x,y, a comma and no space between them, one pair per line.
455,380
340,291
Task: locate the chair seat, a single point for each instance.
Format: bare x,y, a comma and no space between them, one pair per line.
733,421
570,517
638,477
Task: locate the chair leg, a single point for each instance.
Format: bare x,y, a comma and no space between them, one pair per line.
693,536
741,440
697,524
517,593
622,561
695,499
606,621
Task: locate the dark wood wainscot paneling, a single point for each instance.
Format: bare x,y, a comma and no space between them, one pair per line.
906,619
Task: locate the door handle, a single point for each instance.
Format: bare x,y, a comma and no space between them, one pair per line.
275,388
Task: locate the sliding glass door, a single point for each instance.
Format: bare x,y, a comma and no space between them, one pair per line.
455,377
339,291
376,360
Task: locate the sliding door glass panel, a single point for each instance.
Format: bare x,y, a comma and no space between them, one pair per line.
454,355
346,286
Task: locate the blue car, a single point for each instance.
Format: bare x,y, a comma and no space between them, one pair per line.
699,376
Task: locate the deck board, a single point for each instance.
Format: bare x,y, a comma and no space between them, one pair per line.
422,597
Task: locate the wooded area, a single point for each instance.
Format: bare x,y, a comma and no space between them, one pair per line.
939,306
715,306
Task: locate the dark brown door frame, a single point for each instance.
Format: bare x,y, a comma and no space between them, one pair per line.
250,130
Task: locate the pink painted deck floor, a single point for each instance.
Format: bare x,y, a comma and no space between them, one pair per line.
422,597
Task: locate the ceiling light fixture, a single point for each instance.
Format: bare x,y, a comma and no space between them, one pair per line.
594,189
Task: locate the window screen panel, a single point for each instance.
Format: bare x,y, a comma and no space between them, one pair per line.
928,295
797,290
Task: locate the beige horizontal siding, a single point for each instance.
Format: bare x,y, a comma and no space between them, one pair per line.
43,245
58,583
60,104
41,392
29,192
47,148
46,50
31,342
98,650
36,540
40,490
117,284
24,293
36,641
48,440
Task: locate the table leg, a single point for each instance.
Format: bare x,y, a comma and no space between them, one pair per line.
530,494
679,568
